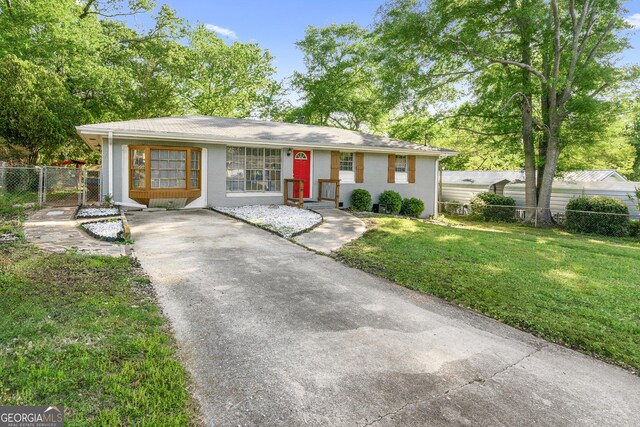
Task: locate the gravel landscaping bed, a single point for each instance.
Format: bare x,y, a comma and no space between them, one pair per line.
286,221
97,212
110,231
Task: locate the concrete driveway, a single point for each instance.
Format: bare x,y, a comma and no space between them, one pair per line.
274,334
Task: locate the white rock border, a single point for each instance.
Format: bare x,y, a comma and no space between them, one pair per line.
287,221
97,212
110,231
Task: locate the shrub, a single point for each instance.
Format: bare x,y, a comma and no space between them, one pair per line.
360,200
634,228
391,200
452,207
18,180
580,219
412,207
493,207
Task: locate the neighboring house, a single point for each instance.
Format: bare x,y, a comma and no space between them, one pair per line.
198,161
462,186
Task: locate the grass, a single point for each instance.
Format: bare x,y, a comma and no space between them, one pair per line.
581,291
85,332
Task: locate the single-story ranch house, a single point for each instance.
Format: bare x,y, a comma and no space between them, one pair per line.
198,161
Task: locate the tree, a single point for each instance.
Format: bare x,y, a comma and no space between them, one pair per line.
37,113
339,84
229,81
531,73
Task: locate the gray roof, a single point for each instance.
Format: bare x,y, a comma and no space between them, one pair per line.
493,177
481,177
219,129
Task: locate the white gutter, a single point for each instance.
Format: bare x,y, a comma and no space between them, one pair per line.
275,143
110,156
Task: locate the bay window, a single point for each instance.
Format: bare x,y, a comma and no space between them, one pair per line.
164,172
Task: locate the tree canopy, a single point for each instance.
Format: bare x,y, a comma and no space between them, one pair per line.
115,72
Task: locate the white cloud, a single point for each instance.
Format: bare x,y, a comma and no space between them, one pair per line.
634,20
225,32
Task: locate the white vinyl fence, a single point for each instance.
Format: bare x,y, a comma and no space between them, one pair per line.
562,193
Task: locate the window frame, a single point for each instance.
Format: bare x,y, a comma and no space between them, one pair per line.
147,167
266,172
402,175
347,176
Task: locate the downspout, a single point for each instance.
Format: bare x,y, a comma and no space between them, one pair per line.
436,187
110,155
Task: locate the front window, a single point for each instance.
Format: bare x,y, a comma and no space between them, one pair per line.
346,167
401,169
254,169
138,168
160,168
168,169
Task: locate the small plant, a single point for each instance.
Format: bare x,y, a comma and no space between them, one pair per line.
493,207
391,200
360,200
108,199
412,207
589,215
452,207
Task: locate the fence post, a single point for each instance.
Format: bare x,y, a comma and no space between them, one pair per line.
84,187
43,185
535,221
41,198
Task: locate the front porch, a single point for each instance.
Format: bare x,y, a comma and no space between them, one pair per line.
328,194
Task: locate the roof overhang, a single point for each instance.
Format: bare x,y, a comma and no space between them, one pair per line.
93,138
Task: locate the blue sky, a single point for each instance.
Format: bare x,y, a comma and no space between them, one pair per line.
278,24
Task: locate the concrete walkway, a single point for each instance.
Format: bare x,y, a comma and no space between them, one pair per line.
337,229
56,230
274,334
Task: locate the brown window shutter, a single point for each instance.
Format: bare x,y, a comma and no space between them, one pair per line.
359,167
391,173
411,176
335,165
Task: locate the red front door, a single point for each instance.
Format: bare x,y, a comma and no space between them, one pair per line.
302,169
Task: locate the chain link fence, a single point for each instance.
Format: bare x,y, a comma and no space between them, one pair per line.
49,186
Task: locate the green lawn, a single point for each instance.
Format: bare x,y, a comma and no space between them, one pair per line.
583,291
85,332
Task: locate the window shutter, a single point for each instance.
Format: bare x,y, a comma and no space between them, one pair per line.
359,167
391,173
335,165
411,176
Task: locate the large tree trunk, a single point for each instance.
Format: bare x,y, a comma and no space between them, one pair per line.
552,154
524,27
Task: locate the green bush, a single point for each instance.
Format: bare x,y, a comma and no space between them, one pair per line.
391,200
360,200
19,180
412,207
493,207
452,207
580,218
634,228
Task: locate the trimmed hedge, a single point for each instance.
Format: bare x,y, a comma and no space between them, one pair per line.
634,228
494,207
581,220
360,200
392,200
412,207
